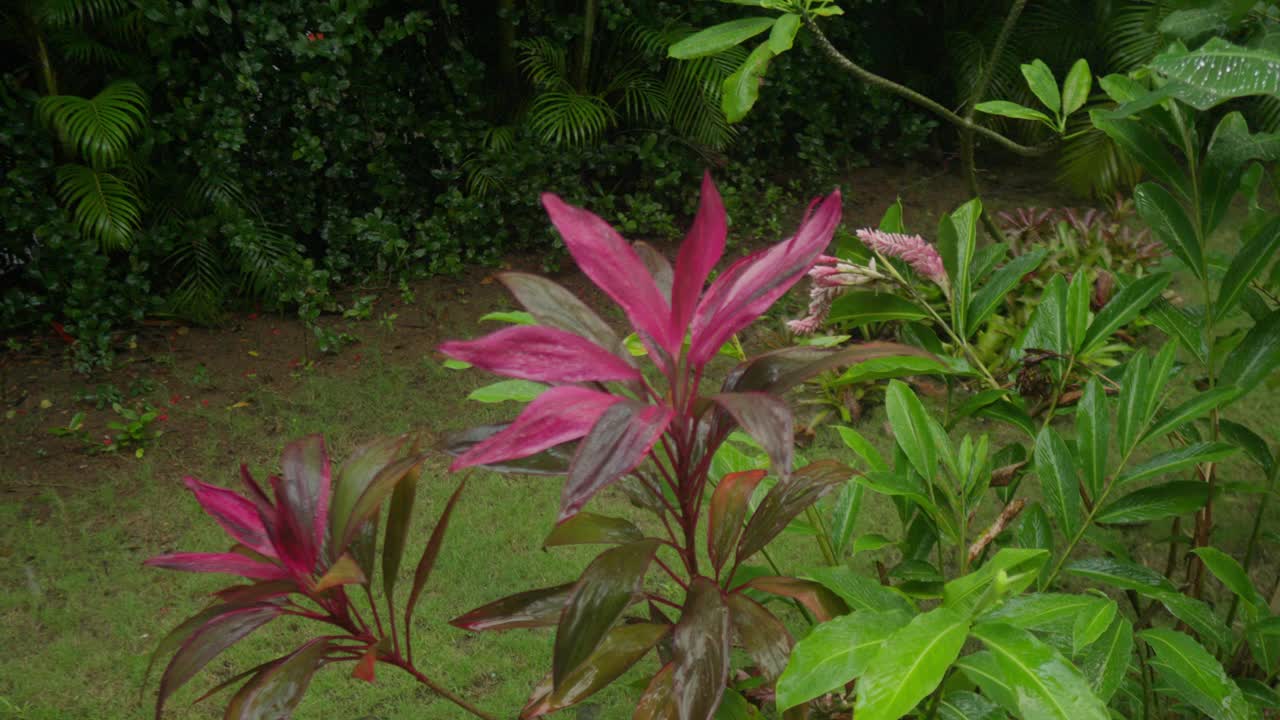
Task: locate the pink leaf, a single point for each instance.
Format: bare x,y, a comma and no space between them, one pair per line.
617,443
227,563
534,352
613,265
238,516
744,291
699,253
305,492
556,416
292,540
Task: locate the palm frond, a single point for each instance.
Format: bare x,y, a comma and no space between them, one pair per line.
693,90
571,118
261,257
1266,113
82,48
1132,36
64,13
203,287
1090,164
545,63
104,206
101,127
643,97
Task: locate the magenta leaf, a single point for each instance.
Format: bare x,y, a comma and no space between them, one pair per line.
701,644
745,290
658,267
532,608
552,461
618,442
766,418
534,352
229,563
557,416
613,265
216,635
762,634
237,515
603,592
699,253
307,488
276,690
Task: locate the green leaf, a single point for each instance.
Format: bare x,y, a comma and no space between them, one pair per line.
106,208
1145,146
1231,575
1190,410
718,38
1192,23
968,706
983,669
911,428
1046,684
1076,88
597,601
1091,624
957,244
1170,224
701,650
399,518
1093,433
1107,660
427,562
512,317
100,127
741,89
532,608
1004,108
277,689
587,528
987,300
834,653
762,635
844,516
1178,459
783,35
1123,575
522,391
862,307
1018,564
1219,71
1171,499
1256,356
1123,308
1047,328
788,499
870,543
1255,256
1249,441
1079,291
1195,676
890,367
859,591
1058,479
728,509
911,664
377,490
1041,81
1046,612
1174,322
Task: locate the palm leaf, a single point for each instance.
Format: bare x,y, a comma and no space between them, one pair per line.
203,286
101,127
1091,164
64,13
570,118
1133,36
545,63
104,206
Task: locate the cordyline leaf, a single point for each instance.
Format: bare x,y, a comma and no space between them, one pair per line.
587,528
275,691
399,518
820,601
183,632
765,638
605,257
229,563
748,287
699,253
307,489
788,499
658,701
619,650
343,572
559,415
618,442
598,599
428,561
701,645
257,592
657,265
378,490
780,370
544,354
353,478
532,608
767,418
556,307
552,461
729,505
237,515
216,635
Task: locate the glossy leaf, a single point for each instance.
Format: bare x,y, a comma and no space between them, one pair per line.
1145,145
911,664
427,562
1059,481
275,691
1046,684
619,441
1045,612
1004,108
1079,291
344,571
1075,89
859,591
963,593
788,499
543,354
521,391
1123,308
983,669
532,608
552,461
1123,575
1170,499
378,489
957,243
1256,254
587,528
307,489
767,419
834,653
890,367
1177,324
1191,410
620,649
861,307
719,38
968,706
597,601
1196,676
739,91
780,370
1247,440
817,599
988,299
1041,81
911,428
237,515
1091,624
1169,223
762,635
1178,459
1107,660
728,510
213,637
556,307
1256,356
1219,71
1230,573
1093,433
658,701
1047,328
701,647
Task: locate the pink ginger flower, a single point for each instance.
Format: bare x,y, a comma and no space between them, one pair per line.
829,277
919,254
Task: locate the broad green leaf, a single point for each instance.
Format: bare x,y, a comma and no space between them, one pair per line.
587,528
1256,356
783,35
728,510
1107,660
957,244
870,543
1192,23
834,653
845,510
1041,81
911,664
911,428
276,690
862,307
1075,89
1093,433
1091,624
1145,145
1169,223
1177,459
890,367
1256,255
741,89
508,390
1247,440
1219,71
1131,417
968,706
1058,480
1079,292
1175,322
1195,676
1045,684
963,593
859,591
1123,308
987,300
788,499
597,601
762,635
1179,497
1047,328
891,220
1191,410
700,646
1231,574
1045,612
1004,108
1122,575
983,669
620,649
718,38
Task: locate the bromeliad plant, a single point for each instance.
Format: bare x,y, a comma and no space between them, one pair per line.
309,554
655,431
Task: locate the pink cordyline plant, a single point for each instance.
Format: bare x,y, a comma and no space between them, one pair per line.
655,434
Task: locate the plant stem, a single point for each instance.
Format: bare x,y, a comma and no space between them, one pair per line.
438,689
823,535
1088,520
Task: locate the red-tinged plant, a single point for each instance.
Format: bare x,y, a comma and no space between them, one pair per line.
656,433
302,556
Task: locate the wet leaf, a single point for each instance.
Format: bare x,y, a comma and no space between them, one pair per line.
620,649
1047,685
587,528
701,646
218,633
275,691
619,441
788,499
910,664
1195,676
728,510
834,653
763,635
767,419
532,608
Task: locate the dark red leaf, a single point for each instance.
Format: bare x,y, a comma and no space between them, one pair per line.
617,443
552,305
307,489
766,418
787,499
257,591
428,561
620,649
658,701
218,633
364,669
605,589
379,489
780,370
353,478
701,644
729,505
764,636
227,563
274,692
587,528
532,608
820,601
